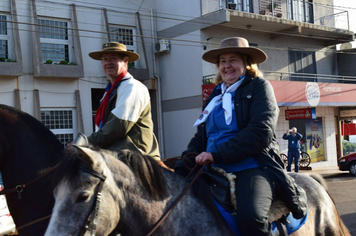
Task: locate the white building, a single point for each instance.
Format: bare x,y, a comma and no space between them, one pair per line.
298,36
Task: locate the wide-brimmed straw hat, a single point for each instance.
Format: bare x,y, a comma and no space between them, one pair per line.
111,47
237,45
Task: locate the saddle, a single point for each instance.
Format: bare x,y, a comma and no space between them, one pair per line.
221,186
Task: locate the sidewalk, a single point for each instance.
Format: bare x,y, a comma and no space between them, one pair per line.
324,171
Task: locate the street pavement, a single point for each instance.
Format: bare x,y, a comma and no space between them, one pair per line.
325,171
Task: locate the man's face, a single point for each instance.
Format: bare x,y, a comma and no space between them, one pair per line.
294,130
113,64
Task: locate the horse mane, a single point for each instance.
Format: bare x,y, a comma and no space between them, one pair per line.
147,171
150,175
37,126
68,169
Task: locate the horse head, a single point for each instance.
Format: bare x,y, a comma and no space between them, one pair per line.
78,196
128,182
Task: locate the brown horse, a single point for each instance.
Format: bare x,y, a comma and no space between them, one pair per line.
27,151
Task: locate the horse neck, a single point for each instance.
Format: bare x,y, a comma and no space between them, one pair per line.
26,162
139,209
144,214
25,159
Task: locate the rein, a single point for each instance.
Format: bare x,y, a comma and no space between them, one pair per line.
96,204
19,189
163,217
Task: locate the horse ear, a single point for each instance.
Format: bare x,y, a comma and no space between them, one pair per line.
89,156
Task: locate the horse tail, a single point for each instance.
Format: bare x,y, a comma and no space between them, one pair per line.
342,227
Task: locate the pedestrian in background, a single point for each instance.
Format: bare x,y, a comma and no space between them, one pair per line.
293,138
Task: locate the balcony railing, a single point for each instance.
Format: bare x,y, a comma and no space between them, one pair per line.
304,77
297,10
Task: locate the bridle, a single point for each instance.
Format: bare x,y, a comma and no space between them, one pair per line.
92,217
93,213
19,189
95,207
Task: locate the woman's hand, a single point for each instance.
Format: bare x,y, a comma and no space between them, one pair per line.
204,156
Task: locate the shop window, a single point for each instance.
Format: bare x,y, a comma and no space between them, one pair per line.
302,62
124,36
60,122
313,141
54,38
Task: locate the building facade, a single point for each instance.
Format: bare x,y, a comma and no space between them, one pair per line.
300,39
47,71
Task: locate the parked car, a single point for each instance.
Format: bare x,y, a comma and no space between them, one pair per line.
348,162
7,224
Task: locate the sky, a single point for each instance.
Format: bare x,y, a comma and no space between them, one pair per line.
350,6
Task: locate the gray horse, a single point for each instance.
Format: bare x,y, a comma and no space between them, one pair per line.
106,193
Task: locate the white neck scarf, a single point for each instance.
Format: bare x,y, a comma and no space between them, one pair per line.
225,97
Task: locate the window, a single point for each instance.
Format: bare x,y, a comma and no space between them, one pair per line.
54,39
4,37
124,36
60,122
240,5
302,62
244,5
300,10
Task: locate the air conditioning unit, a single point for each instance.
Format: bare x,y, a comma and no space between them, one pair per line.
162,45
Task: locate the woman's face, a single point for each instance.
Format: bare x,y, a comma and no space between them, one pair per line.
231,67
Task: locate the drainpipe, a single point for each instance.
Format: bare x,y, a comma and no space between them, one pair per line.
159,91
142,38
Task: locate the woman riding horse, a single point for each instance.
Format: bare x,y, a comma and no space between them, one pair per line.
236,132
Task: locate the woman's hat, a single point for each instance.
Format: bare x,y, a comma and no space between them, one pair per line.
237,45
111,47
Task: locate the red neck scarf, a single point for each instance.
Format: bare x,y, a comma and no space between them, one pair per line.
100,113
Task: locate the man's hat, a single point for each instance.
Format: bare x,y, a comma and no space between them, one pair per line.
111,47
237,45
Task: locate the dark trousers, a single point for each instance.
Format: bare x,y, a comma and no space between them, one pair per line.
293,154
254,194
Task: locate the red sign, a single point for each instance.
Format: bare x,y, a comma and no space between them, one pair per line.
297,114
292,93
348,129
206,90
